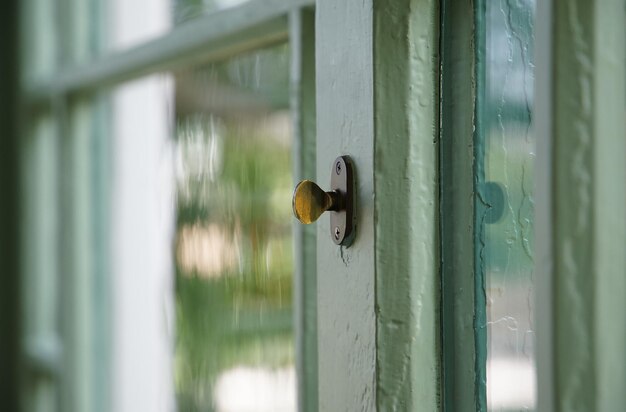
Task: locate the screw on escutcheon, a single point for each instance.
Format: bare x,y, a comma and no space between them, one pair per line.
337,233
338,168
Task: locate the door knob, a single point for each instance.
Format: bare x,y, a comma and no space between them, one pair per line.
310,201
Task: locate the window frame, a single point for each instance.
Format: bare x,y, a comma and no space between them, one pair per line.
52,89
65,90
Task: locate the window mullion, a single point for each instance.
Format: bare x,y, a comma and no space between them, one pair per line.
302,44
83,243
253,25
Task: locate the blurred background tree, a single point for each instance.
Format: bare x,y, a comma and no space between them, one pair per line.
234,250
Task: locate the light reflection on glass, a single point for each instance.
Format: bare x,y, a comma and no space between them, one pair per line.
509,145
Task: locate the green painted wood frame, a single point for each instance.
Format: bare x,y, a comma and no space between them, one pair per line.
463,345
581,223
302,40
378,300
216,36
581,272
64,157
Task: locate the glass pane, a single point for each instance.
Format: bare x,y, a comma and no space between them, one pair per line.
122,29
507,192
185,10
203,238
234,253
157,18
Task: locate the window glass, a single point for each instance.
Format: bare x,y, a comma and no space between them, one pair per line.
122,29
234,346
157,17
506,211
186,10
202,243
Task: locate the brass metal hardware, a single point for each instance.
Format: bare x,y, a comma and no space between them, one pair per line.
310,201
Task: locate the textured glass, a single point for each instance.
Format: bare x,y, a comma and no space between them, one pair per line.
202,244
507,196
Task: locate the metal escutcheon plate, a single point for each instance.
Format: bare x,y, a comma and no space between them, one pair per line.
343,222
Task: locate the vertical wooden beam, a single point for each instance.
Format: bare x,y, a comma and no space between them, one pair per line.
542,117
302,48
458,81
406,203
77,257
346,276
588,234
83,235
41,347
378,300
480,208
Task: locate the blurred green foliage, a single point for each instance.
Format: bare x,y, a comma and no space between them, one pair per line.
242,315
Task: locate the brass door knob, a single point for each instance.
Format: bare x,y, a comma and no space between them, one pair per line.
310,201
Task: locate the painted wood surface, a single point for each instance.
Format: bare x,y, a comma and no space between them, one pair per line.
217,36
302,44
543,206
378,300
588,234
346,277
460,384
406,204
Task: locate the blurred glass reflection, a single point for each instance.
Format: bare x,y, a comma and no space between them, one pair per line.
185,10
234,266
507,254
157,18
221,134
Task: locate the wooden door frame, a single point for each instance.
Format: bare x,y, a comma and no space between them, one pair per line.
378,300
379,314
